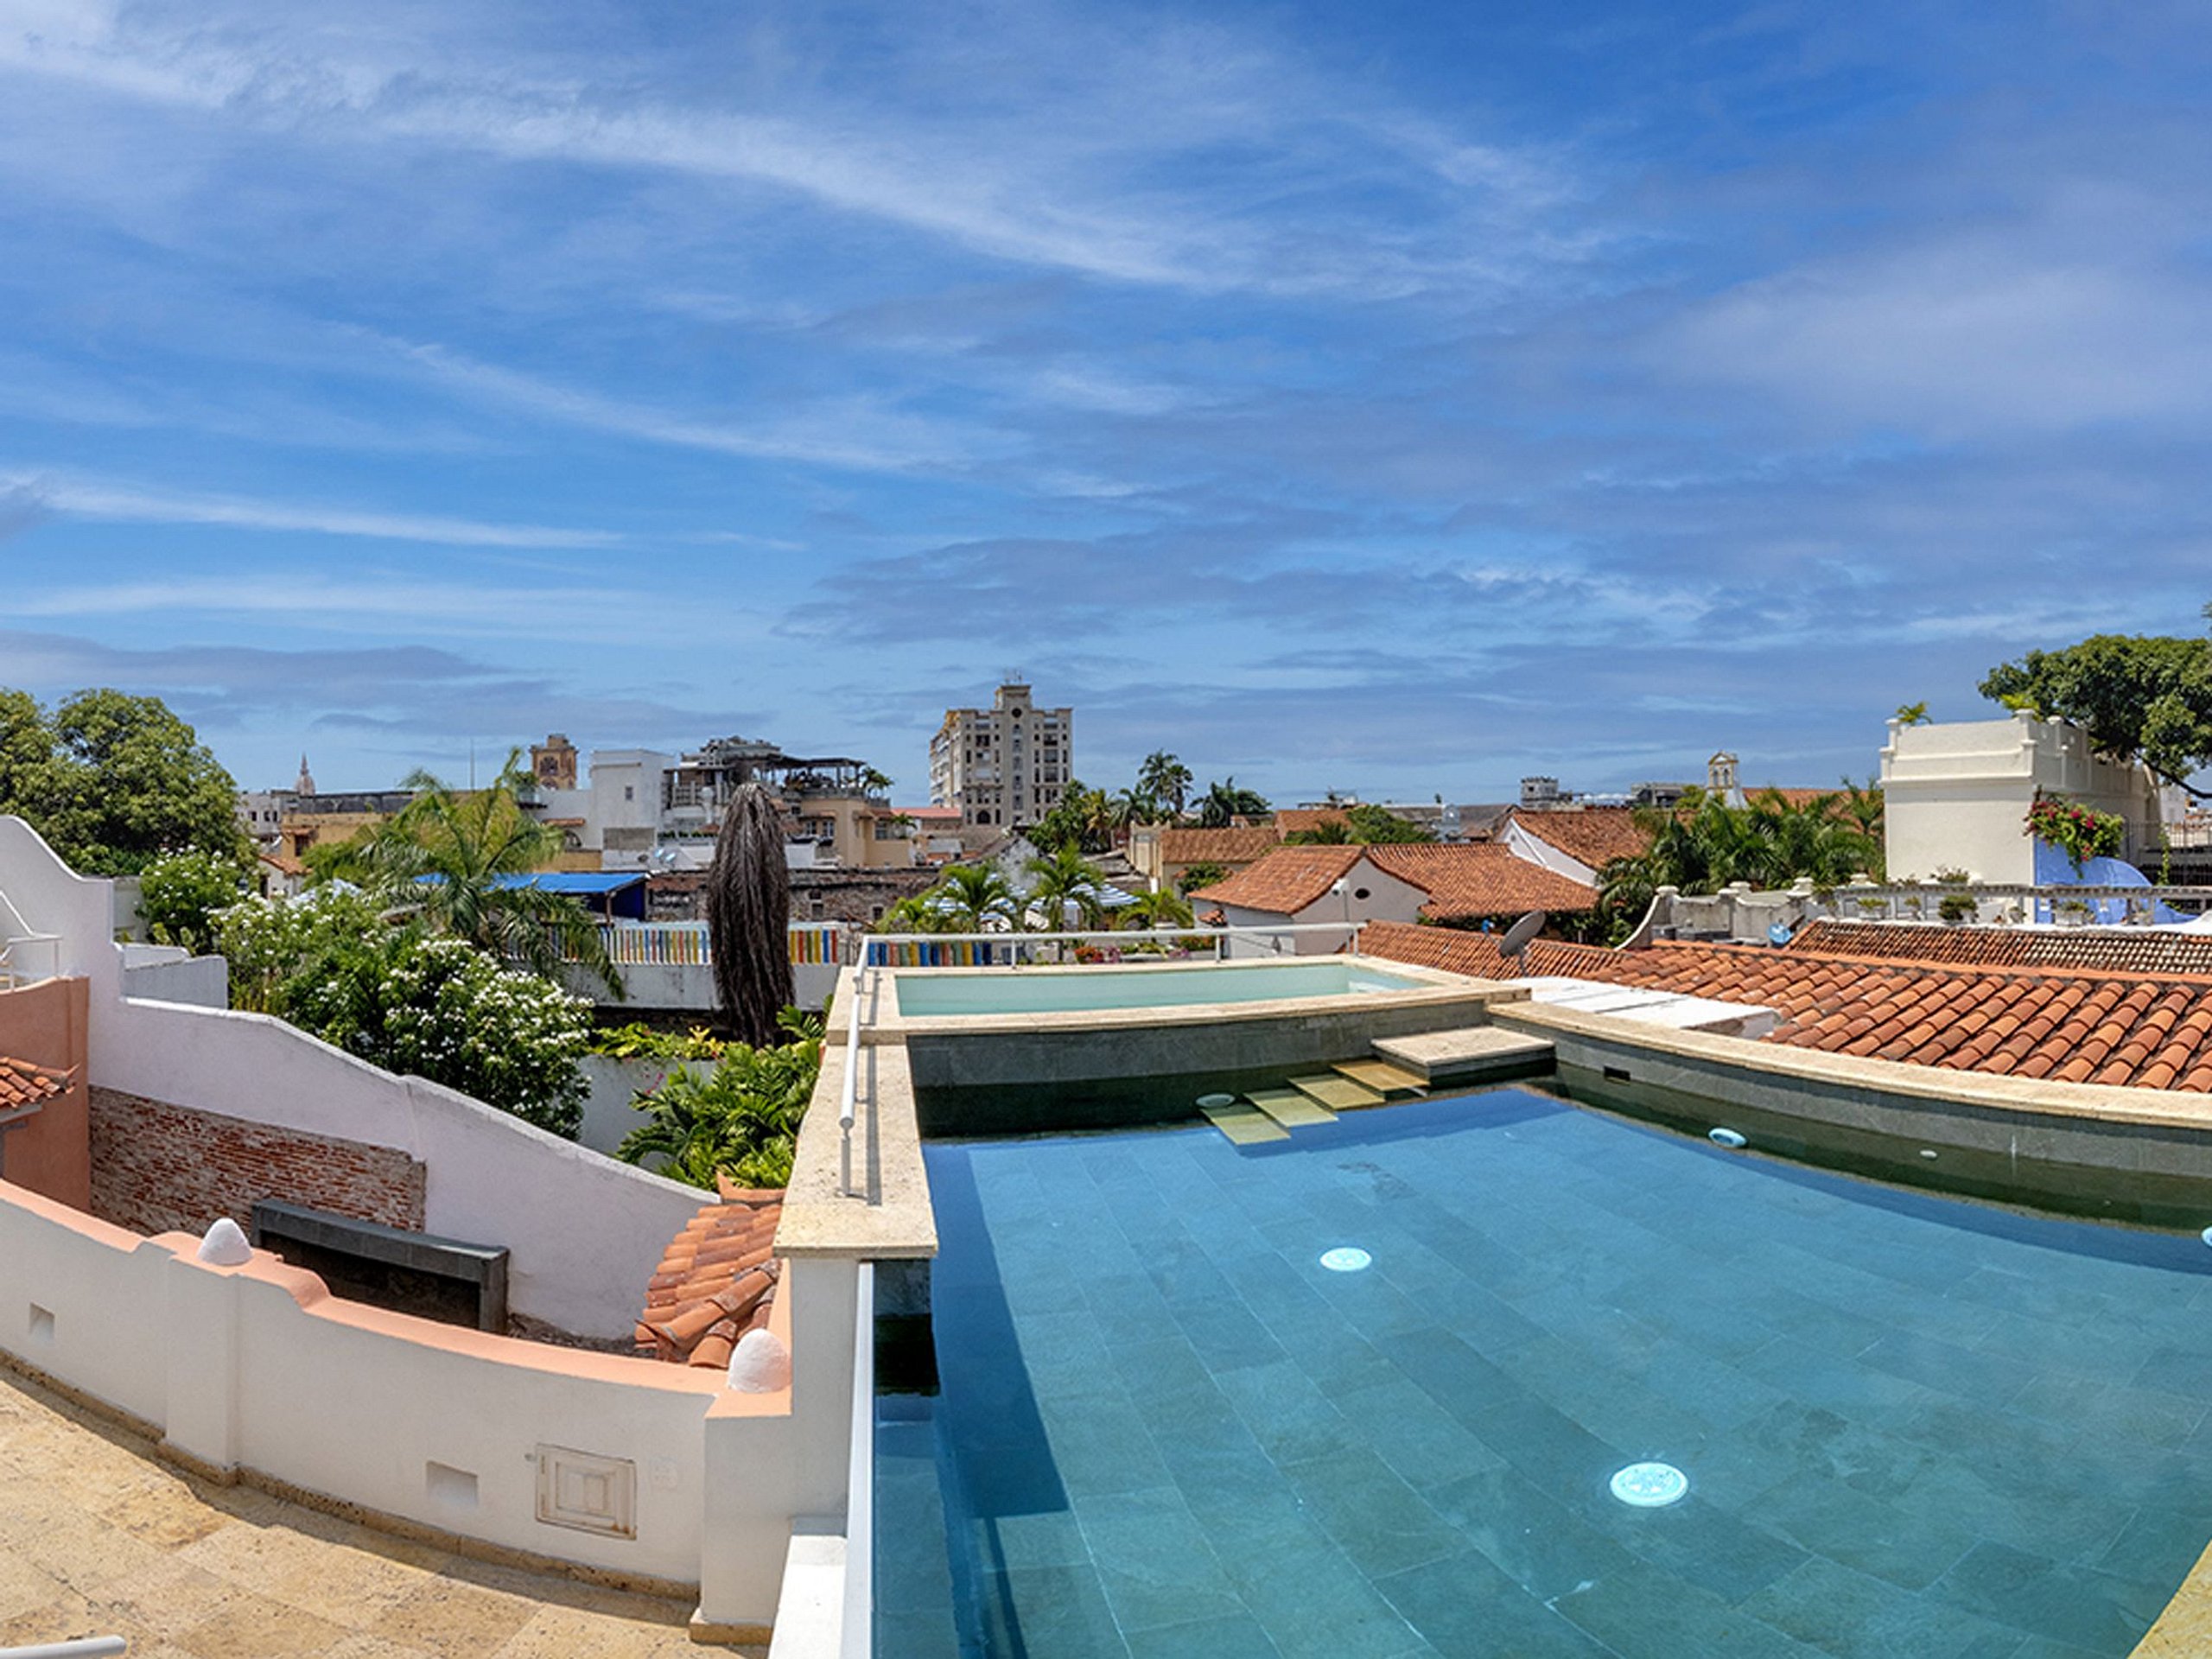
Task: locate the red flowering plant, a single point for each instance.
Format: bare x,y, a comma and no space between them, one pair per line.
2079,831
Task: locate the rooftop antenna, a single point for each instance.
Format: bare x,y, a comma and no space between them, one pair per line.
1515,942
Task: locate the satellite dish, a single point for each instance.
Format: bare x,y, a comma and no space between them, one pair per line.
1517,936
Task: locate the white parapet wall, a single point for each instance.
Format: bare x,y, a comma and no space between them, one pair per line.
1956,796
589,1459
584,1232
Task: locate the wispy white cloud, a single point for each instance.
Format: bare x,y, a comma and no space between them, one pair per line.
858,434
69,496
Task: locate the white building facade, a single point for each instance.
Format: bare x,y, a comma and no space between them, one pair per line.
1006,765
1956,796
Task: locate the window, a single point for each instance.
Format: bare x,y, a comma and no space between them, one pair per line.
629,791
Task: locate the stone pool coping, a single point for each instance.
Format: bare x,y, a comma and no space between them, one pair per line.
889,1024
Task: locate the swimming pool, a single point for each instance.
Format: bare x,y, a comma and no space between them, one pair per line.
951,991
1910,1425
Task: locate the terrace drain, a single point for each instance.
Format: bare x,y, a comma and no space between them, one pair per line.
1650,1485
1346,1258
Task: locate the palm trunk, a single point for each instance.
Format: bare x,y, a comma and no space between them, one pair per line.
748,917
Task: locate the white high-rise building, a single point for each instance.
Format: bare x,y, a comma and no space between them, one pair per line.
1006,764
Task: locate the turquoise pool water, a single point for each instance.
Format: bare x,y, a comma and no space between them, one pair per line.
1017,991
1912,1428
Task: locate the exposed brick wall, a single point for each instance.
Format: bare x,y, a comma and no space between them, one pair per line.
159,1168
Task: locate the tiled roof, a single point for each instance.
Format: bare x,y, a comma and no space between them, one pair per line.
1473,879
1594,835
1238,844
1284,882
1290,820
716,1281
23,1083
2078,1026
2115,950
1480,879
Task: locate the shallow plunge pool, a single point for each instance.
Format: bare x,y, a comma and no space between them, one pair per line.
938,992
1909,1425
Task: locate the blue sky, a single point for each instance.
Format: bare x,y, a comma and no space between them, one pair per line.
1397,397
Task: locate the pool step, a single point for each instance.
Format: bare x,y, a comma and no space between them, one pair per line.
1384,1078
1244,1124
1291,1108
1338,1094
1473,1054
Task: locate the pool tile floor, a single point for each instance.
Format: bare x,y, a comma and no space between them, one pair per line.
1912,1426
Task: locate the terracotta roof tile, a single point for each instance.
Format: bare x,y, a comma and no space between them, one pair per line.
1237,844
1284,882
717,1279
2106,1025
1291,820
23,1083
1594,835
1480,879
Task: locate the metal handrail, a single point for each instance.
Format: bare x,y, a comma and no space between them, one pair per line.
849,1095
89,1647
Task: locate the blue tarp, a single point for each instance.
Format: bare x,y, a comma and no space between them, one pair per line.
606,892
2055,870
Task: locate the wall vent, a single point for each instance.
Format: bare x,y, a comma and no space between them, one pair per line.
587,1492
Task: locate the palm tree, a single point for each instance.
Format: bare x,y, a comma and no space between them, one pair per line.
1165,780
460,862
1224,802
1064,877
1166,908
970,896
749,915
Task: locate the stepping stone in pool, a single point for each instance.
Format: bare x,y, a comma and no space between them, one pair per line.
1244,1124
1291,1108
1384,1078
1338,1094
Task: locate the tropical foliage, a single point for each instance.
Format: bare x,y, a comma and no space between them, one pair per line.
2138,698
1204,874
1064,881
749,914
1704,844
1365,824
456,861
112,782
2080,832
400,998
1165,782
1223,802
179,894
739,1119
639,1041
1162,909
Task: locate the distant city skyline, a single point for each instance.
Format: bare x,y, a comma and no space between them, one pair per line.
1399,399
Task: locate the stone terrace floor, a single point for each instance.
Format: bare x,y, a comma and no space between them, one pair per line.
97,1538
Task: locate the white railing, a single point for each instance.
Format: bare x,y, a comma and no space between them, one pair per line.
1013,949
849,1097
856,1630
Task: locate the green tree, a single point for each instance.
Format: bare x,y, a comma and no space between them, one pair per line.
1365,824
1062,880
1165,780
113,781
1703,844
1224,801
1913,714
2138,698
331,964
971,898
1161,909
739,1119
459,859
1204,874
179,895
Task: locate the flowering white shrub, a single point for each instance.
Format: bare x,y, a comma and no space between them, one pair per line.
438,1009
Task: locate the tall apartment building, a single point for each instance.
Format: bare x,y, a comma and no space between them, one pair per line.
1006,764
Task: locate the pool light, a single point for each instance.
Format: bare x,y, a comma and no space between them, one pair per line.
1650,1485
1728,1138
1346,1258
2206,1234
